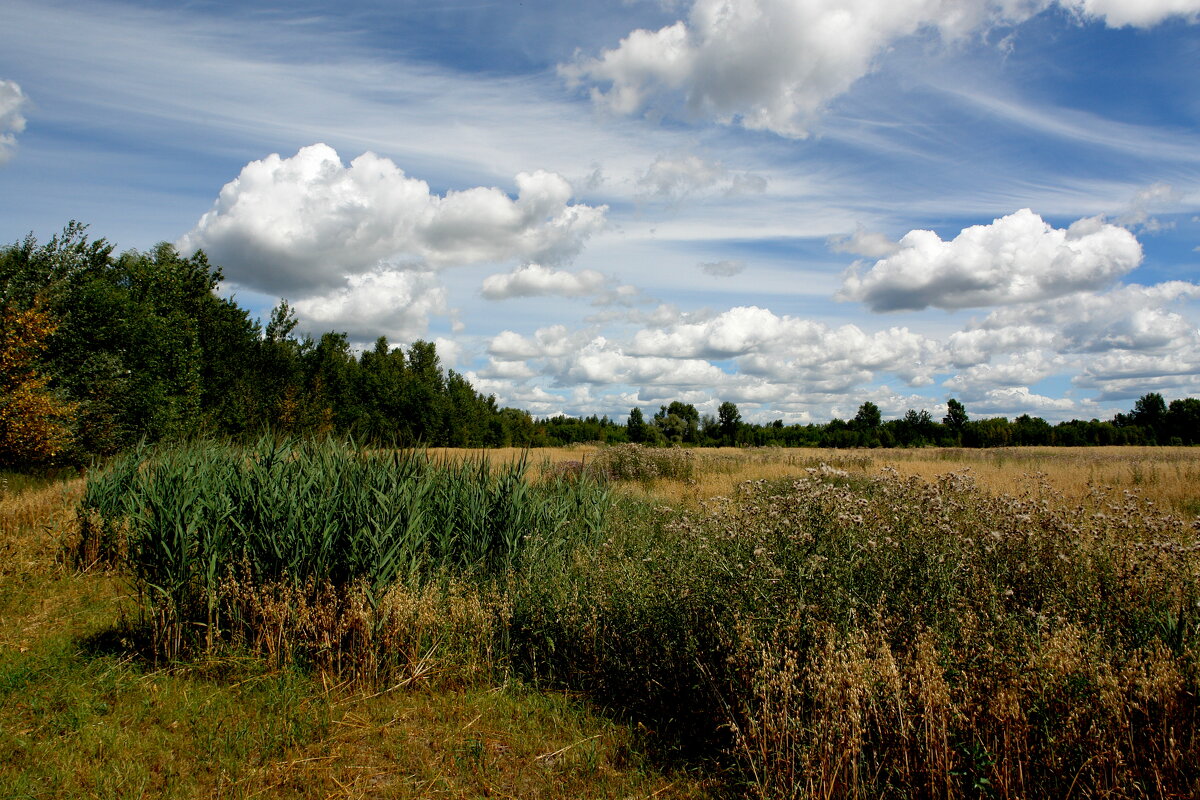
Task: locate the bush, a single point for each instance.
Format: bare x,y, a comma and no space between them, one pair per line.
635,462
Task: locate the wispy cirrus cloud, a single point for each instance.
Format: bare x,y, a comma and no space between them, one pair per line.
12,118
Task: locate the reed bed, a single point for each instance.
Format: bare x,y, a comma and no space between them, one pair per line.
316,538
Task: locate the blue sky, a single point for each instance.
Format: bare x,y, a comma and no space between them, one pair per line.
796,205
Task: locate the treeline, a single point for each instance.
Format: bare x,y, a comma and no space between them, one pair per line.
100,351
1152,421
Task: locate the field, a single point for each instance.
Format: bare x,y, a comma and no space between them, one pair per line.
1167,475
605,623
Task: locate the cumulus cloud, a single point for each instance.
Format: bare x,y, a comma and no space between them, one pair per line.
550,342
1106,341
766,348
600,363
778,365
864,243
977,345
775,65
673,179
305,223
1137,215
1017,400
1016,259
391,303
723,269
1021,369
12,118
1132,318
534,280
507,370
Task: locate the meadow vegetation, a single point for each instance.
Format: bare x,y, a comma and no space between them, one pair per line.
653,622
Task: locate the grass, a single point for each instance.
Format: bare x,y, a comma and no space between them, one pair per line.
763,623
1170,476
84,714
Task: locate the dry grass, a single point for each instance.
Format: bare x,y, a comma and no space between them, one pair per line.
884,636
1169,476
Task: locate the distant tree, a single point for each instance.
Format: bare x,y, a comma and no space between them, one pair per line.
673,427
1150,413
868,417
918,427
992,432
956,418
678,422
1183,420
729,419
423,391
635,427
1027,430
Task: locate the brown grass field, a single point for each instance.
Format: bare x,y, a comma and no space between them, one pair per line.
1169,476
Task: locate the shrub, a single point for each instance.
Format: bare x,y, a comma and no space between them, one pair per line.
635,462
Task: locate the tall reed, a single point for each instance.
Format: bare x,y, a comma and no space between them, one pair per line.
316,517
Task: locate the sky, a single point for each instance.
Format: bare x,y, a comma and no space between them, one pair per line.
794,205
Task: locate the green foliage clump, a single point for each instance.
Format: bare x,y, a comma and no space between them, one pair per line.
315,516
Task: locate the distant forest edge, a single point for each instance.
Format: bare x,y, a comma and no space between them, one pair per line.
100,351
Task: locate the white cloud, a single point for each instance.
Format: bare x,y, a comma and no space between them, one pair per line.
1016,400
1106,342
1021,369
673,179
12,118
307,222
1016,259
386,302
534,280
1136,13
977,345
766,64
550,342
1137,215
723,269
1133,318
507,370
772,353
775,65
863,243
601,363
796,368
450,351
